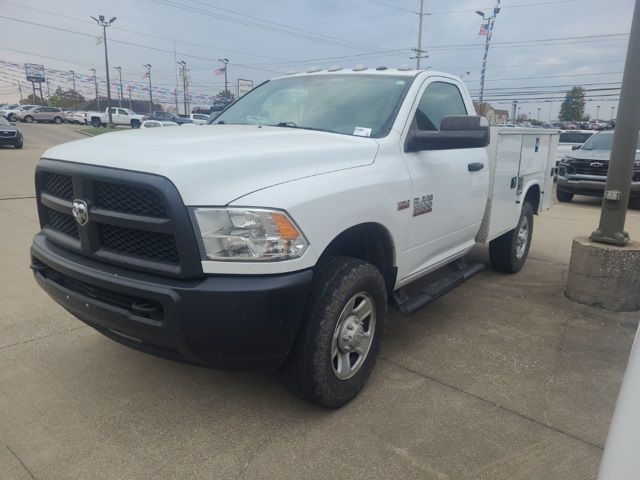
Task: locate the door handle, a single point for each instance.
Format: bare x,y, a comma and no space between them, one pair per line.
475,166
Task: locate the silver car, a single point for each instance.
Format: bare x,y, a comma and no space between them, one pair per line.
42,114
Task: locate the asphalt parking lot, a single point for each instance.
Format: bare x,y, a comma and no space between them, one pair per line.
503,378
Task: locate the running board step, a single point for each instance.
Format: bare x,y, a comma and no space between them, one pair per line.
444,280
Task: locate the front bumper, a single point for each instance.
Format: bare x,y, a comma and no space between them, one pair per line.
11,140
593,186
219,321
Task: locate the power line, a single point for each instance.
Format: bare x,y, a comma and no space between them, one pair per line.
535,4
406,10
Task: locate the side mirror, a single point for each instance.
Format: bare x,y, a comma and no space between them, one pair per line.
456,131
575,147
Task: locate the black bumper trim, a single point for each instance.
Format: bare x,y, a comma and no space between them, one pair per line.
224,321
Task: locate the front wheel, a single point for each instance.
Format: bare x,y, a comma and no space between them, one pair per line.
96,122
509,251
135,123
28,119
57,120
340,335
18,145
563,196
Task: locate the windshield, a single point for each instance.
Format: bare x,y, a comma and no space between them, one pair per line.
575,137
4,121
602,141
363,105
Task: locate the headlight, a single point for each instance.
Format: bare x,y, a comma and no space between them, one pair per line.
567,160
248,234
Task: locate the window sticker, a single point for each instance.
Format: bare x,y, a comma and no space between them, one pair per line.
362,132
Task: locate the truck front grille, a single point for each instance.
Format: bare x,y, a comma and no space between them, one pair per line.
135,220
588,168
140,243
60,186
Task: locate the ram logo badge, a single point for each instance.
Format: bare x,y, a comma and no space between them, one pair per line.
80,212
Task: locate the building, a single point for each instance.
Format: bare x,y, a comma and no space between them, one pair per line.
494,115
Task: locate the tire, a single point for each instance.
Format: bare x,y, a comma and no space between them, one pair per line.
323,367
18,145
57,120
563,196
509,251
28,119
135,123
12,117
96,122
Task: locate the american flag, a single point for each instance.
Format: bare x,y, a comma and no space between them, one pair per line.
220,71
484,30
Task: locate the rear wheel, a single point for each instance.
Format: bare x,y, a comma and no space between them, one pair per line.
96,122
563,196
509,251
28,119
57,120
339,338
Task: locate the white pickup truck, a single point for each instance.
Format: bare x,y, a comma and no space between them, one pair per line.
120,116
279,233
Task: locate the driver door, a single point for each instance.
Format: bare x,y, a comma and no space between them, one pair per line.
447,199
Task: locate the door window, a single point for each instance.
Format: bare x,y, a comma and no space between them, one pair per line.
439,100
122,112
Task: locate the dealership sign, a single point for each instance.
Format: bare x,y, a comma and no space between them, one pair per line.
244,86
35,72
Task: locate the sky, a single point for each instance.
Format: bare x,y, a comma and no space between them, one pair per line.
539,48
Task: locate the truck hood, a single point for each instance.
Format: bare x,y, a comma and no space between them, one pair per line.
216,164
595,155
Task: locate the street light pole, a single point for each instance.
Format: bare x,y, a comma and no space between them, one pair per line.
104,24
120,75
489,27
75,95
183,67
597,112
95,81
538,113
419,51
148,67
623,152
612,110
226,63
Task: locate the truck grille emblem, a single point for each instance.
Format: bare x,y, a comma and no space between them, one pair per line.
596,164
80,212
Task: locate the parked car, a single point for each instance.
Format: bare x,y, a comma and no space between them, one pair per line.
170,117
199,118
12,114
570,139
120,116
7,110
584,170
279,235
9,134
158,124
75,117
42,114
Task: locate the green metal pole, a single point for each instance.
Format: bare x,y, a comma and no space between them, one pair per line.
625,141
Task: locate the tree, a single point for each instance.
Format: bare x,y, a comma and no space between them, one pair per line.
31,100
66,98
572,108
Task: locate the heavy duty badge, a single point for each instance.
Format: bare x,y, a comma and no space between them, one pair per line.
422,205
404,204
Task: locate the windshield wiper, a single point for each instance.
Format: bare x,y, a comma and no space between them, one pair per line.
293,125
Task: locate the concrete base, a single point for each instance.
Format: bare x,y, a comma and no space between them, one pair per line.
605,276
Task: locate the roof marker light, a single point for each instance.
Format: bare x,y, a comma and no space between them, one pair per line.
334,68
314,70
359,68
381,68
404,68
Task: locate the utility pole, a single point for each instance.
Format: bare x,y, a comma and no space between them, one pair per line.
226,63
420,53
625,141
148,67
514,105
612,110
95,80
104,24
120,74
538,113
597,112
175,92
487,28
183,67
129,89
20,90
75,95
